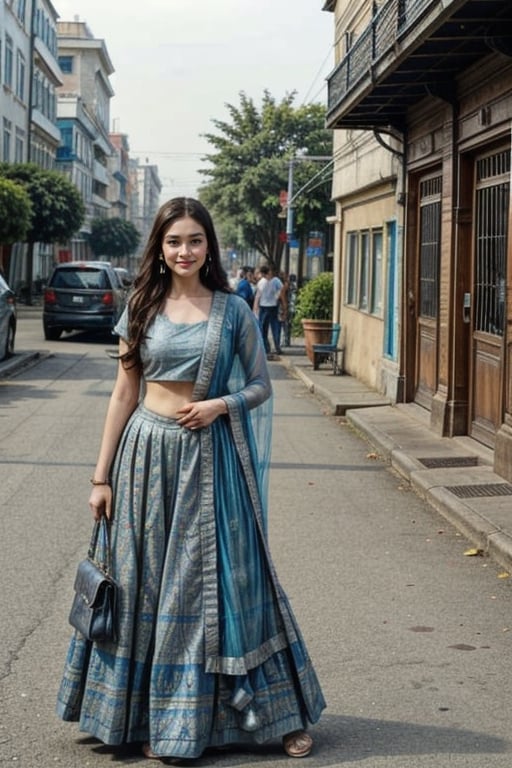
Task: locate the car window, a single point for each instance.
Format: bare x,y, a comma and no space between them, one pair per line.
80,279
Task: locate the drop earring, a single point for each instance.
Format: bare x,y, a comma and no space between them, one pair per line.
207,267
162,265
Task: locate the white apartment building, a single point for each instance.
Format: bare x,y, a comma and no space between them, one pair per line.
83,116
29,74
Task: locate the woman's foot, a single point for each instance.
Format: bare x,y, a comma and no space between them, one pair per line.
148,752
297,744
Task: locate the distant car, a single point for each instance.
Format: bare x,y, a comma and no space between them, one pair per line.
124,276
82,296
7,320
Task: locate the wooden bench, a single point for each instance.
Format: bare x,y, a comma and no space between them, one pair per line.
330,353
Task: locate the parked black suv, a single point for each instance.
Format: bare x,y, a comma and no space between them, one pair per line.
82,296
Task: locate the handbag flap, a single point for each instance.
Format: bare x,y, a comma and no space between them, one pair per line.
89,580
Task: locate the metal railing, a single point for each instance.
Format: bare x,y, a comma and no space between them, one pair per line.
392,21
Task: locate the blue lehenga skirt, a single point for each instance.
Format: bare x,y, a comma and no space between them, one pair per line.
204,656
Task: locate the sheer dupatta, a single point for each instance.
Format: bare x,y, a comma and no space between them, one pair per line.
247,615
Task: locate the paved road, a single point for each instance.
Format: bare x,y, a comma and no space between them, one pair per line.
410,637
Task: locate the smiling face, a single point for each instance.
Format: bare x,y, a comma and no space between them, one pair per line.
184,247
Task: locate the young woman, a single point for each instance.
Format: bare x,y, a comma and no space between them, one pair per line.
208,650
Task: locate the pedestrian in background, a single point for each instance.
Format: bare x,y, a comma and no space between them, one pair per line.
266,305
208,650
244,287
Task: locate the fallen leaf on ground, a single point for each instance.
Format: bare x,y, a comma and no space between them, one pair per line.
504,575
474,552
372,455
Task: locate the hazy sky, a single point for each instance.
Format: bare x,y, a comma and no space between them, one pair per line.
178,62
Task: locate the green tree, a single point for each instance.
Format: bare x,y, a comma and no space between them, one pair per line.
113,237
249,168
57,208
15,212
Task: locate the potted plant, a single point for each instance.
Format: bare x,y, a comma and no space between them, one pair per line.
313,311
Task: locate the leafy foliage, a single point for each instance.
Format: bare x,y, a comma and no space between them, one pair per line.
15,211
249,168
113,237
314,301
57,206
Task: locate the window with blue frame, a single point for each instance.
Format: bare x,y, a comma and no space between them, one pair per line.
66,64
65,150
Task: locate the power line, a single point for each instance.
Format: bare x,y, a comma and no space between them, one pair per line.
316,78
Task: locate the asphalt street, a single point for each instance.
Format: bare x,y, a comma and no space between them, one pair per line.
410,636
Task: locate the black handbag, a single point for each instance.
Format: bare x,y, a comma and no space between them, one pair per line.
94,609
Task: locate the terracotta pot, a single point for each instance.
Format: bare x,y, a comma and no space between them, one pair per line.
316,332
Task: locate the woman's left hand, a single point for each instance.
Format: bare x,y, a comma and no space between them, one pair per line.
202,413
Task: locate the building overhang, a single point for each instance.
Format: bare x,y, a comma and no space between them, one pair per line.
411,50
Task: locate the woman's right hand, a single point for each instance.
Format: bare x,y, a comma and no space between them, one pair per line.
100,501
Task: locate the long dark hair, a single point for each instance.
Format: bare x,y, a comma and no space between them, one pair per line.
150,287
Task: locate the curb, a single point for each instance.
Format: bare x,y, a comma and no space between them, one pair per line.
493,540
19,361
486,535
336,408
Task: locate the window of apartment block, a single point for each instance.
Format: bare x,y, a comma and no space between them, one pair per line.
66,64
19,146
9,59
20,76
36,91
66,140
21,10
6,140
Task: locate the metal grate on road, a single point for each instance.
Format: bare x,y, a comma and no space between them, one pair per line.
439,462
475,491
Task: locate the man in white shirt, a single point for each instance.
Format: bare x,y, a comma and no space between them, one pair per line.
266,304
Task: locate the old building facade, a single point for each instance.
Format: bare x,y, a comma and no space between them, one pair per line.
431,84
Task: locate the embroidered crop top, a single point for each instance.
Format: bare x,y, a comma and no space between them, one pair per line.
170,351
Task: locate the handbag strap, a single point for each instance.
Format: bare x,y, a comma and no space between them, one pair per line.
101,526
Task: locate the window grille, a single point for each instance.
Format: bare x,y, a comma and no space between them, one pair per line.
430,246
491,234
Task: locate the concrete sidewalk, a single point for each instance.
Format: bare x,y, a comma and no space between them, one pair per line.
455,475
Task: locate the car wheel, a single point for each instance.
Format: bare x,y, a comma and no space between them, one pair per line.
52,334
9,342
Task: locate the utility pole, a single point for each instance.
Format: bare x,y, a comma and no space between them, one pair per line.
290,197
289,215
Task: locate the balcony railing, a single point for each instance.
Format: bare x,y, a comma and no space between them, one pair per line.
390,24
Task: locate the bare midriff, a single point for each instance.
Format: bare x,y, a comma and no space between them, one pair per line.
167,397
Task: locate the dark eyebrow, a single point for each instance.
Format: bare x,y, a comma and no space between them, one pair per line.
193,234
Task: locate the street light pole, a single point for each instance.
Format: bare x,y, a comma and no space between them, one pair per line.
289,199
289,215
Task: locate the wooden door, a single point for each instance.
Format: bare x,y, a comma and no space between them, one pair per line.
492,196
427,324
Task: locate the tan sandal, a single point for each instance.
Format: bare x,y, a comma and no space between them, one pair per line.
297,744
